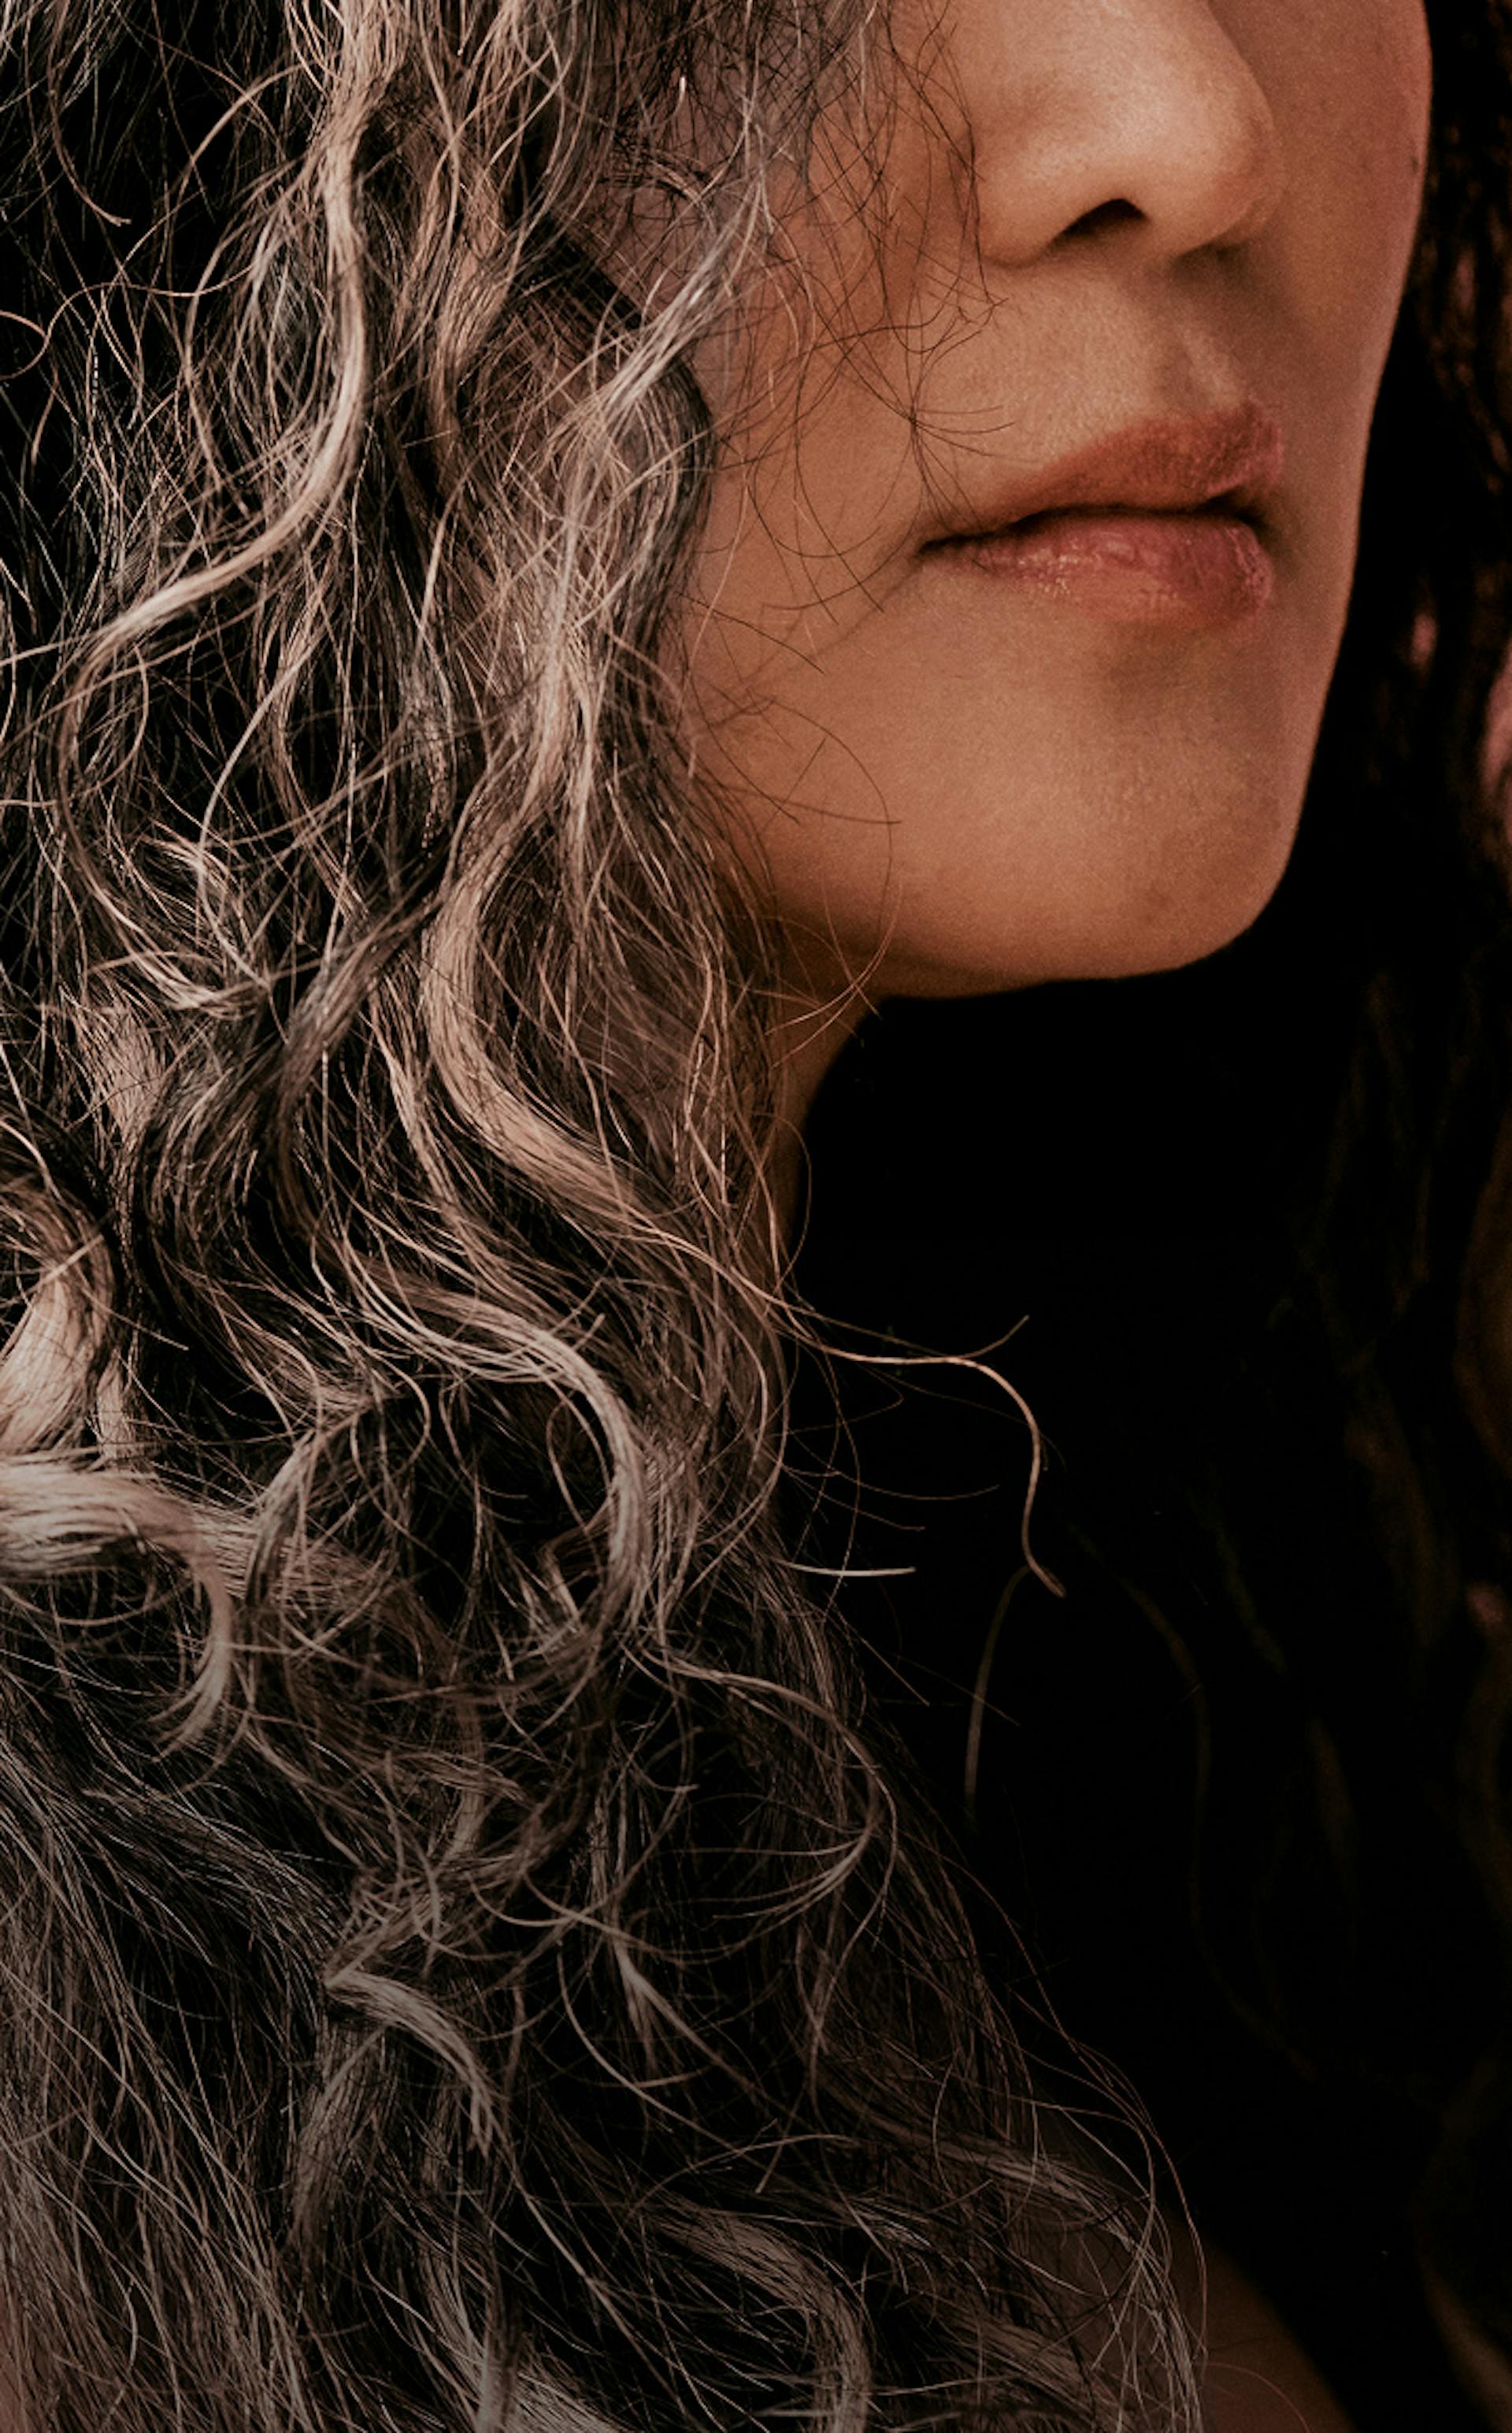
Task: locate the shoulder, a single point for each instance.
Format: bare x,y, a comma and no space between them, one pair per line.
1482,2369
1258,2377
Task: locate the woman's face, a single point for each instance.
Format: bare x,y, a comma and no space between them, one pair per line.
1044,436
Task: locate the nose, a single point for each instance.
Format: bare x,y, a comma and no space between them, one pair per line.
1138,121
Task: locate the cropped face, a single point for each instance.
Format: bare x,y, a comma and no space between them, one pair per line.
1042,444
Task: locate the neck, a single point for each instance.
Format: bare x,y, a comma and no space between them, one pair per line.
808,1038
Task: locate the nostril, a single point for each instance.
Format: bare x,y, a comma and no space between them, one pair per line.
1105,217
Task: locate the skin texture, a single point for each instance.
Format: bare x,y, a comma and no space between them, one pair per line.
1026,226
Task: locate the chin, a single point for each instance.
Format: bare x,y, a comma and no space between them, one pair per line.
1209,906
1188,934
1184,902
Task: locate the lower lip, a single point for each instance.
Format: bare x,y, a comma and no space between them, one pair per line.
1188,570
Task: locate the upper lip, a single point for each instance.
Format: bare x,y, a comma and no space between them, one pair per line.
1232,458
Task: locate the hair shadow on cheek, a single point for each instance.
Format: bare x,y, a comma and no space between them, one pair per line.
908,289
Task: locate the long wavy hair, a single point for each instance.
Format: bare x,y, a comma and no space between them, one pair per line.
469,1960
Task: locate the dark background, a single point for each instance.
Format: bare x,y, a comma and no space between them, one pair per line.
1210,1782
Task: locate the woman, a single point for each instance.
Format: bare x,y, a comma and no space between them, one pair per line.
550,552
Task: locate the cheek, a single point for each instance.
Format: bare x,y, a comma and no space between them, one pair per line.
1353,80
1355,84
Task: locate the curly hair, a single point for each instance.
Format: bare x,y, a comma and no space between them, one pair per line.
469,1960
464,1965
